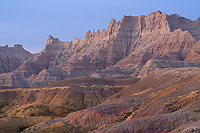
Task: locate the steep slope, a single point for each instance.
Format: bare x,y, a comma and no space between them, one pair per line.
175,45
160,102
176,21
47,76
160,63
121,38
44,59
12,80
17,124
193,127
127,44
194,54
12,57
71,95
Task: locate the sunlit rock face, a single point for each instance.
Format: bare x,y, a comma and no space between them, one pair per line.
127,44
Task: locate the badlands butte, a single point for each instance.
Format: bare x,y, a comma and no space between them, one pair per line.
141,74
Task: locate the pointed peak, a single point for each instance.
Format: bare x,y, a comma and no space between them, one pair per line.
88,35
159,12
104,30
96,34
52,40
98,31
113,21
50,37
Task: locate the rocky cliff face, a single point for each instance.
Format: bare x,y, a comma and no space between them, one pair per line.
44,59
176,21
127,44
12,57
157,39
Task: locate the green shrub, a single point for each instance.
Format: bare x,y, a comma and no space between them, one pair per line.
21,128
51,117
32,114
195,110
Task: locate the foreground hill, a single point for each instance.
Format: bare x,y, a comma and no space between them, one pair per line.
126,46
165,100
26,107
160,102
62,97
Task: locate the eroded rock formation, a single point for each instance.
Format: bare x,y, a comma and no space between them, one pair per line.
127,44
12,57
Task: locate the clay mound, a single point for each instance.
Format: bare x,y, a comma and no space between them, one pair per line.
117,77
162,62
80,68
89,81
193,126
194,54
110,71
8,95
190,128
17,124
183,120
162,123
159,123
12,79
154,97
126,81
47,76
162,79
80,80
71,95
34,65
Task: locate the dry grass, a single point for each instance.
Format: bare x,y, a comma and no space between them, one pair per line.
178,103
14,124
138,93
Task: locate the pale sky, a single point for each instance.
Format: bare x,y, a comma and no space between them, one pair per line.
29,22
